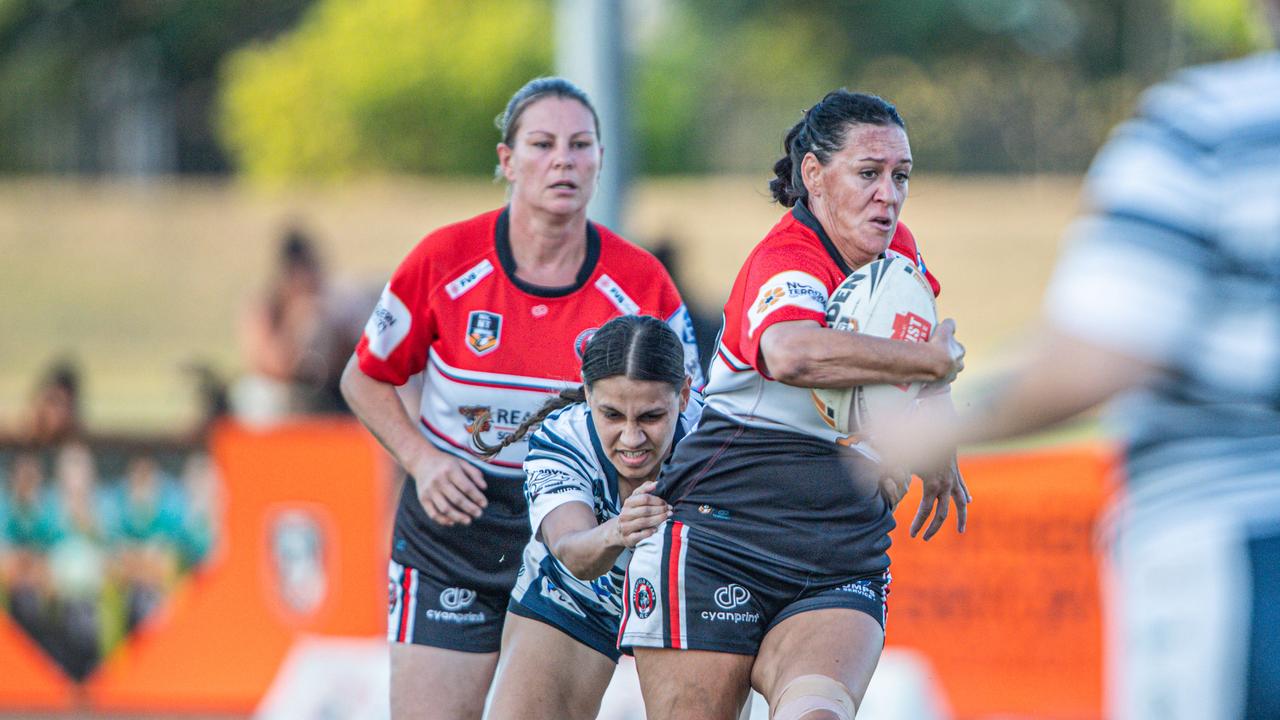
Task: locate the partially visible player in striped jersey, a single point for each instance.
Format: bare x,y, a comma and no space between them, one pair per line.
589,473
491,313
1168,299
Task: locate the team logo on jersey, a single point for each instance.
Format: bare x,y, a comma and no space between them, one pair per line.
484,330
456,598
580,342
643,599
473,413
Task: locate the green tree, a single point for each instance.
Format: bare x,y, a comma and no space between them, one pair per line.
381,85
69,68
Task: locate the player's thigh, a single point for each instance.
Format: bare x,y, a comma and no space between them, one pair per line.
839,643
545,673
692,684
431,683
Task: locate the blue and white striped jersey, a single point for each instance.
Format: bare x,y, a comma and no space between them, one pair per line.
1178,264
566,463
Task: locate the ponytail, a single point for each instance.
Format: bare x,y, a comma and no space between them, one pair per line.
564,399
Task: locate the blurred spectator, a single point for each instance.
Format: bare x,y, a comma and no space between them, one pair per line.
54,415
202,510
296,338
146,537
77,563
30,529
212,401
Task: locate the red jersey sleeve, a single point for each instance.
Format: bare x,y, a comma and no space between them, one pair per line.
904,242
781,283
402,327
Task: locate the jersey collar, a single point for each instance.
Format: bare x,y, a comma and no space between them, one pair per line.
610,472
502,241
805,217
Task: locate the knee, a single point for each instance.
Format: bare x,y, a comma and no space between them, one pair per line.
814,697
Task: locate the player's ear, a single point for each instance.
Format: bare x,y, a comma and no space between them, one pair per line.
684,392
504,161
811,174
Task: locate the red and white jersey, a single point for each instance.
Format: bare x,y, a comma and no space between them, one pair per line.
485,340
789,276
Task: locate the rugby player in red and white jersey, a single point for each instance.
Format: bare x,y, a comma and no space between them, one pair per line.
493,314
773,571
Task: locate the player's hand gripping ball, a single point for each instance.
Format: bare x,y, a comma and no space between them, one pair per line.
887,298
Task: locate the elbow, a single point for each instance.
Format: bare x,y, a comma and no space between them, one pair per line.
582,568
347,383
582,571
789,368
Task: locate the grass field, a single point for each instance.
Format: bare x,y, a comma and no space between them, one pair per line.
134,279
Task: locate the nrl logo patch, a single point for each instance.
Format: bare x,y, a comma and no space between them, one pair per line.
484,330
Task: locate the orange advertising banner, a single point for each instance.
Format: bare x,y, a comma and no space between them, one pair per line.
1009,613
304,551
29,679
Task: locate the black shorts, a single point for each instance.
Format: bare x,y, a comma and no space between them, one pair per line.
423,610
796,500
689,589
435,568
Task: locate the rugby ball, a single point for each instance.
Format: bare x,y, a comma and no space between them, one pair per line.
887,298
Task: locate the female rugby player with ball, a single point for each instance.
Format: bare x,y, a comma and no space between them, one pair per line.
773,570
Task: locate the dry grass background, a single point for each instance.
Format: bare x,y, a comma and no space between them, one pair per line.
135,279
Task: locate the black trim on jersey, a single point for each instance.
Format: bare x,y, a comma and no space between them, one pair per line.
802,213
502,241
610,472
